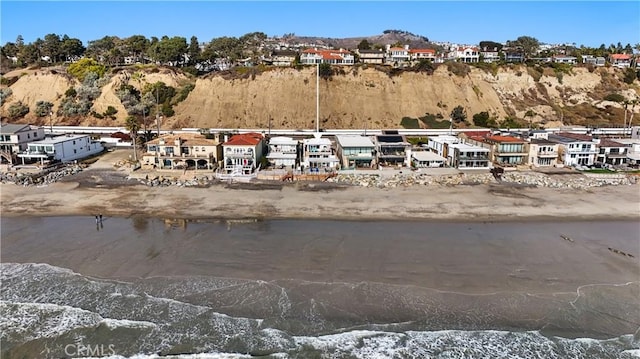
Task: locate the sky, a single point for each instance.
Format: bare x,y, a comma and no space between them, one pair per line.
588,23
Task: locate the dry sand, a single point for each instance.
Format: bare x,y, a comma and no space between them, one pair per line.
96,192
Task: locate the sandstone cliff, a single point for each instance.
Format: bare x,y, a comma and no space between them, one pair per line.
358,97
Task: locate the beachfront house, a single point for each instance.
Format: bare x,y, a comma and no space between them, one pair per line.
575,149
242,153
611,152
542,153
426,159
633,151
459,154
14,138
504,150
355,152
184,151
392,149
65,148
318,154
283,152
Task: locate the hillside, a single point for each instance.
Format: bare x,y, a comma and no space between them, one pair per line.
360,96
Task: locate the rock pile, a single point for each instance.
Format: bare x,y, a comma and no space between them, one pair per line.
522,178
172,181
39,179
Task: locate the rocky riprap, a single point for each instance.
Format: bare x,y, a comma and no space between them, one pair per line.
521,178
172,181
39,179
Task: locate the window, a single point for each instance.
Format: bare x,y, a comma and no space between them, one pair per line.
74,151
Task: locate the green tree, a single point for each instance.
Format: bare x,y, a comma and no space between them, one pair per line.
364,45
490,45
71,47
194,50
99,49
481,119
133,125
224,47
51,47
136,46
529,45
458,114
171,49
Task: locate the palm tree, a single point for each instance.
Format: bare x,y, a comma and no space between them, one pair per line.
633,104
133,125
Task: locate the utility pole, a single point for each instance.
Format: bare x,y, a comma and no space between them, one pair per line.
317,97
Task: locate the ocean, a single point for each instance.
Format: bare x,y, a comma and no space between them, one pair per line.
148,288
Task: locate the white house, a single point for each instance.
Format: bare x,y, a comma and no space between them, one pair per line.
466,54
65,148
371,56
322,56
422,54
426,159
633,150
397,55
611,152
490,54
283,151
563,59
575,149
620,60
459,154
542,153
318,153
14,139
242,153
355,151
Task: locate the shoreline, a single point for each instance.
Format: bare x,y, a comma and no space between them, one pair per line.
460,203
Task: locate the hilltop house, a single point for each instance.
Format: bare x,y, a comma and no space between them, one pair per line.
397,56
595,61
620,60
64,148
283,151
283,57
332,57
242,153
490,54
14,138
371,56
422,54
355,152
466,54
182,151
564,59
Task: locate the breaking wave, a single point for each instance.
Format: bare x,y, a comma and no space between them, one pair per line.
52,312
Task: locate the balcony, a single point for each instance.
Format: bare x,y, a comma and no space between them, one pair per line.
547,154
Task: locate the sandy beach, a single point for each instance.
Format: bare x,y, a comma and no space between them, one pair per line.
106,191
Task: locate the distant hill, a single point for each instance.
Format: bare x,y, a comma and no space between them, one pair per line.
387,37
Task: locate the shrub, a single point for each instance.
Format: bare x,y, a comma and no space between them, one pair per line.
630,75
481,119
110,112
71,92
458,68
535,73
18,109
85,66
43,108
184,92
4,94
615,97
325,71
409,123
431,121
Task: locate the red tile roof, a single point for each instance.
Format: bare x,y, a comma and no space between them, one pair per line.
498,138
244,139
479,133
418,51
620,56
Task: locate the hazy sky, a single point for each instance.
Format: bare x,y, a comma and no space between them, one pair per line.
584,22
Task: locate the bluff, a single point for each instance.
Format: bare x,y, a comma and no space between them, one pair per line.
354,97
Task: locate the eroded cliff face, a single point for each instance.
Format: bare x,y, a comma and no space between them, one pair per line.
358,98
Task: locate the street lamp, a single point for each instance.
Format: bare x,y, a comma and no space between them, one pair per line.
51,122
